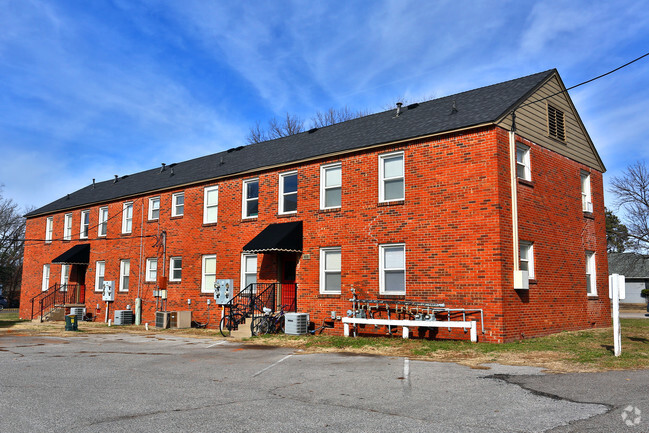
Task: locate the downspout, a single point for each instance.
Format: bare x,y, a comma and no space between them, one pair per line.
138,300
521,280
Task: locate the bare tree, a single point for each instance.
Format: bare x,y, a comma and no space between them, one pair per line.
12,241
631,190
333,116
289,125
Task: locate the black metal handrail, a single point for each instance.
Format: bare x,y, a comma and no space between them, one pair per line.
254,297
56,295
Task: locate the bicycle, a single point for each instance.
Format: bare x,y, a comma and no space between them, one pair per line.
231,321
268,323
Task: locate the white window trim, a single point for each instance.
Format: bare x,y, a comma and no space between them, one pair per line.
102,222
171,268
243,269
530,258
203,275
126,219
383,179
45,282
280,204
67,227
323,271
245,200
150,216
323,187
174,204
65,274
147,277
382,269
591,266
527,168
49,229
122,274
98,275
586,198
205,192
82,225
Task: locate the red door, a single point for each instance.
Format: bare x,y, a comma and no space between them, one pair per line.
289,288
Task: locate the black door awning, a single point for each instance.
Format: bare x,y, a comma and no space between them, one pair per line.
77,255
280,237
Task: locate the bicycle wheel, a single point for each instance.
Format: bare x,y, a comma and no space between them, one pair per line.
259,325
230,323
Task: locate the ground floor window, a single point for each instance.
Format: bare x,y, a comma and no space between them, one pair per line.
65,276
591,287
45,284
175,268
151,269
330,270
392,269
209,273
100,267
248,270
124,273
527,258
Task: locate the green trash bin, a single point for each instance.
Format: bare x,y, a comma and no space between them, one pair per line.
71,323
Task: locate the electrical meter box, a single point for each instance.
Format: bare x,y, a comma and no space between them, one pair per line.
108,292
223,291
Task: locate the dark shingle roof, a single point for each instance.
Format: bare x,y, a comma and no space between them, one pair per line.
474,107
630,265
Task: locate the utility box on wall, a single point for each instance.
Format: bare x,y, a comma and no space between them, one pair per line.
223,291
108,291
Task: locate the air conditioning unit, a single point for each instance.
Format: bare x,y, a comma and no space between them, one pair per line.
162,319
296,323
180,319
123,317
79,312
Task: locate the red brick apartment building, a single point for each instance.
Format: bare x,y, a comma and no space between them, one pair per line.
489,199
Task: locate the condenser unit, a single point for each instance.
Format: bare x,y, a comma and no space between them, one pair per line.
162,319
79,312
123,317
180,319
296,323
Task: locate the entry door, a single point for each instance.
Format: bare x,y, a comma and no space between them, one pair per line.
287,278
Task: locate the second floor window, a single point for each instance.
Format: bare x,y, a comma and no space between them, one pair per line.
85,224
178,204
288,192
251,198
210,205
127,218
102,227
67,227
154,208
330,186
391,177
49,229
523,162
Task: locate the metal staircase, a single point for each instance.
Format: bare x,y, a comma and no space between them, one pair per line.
56,297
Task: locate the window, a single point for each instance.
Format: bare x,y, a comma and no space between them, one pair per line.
65,276
591,287
67,227
127,218
392,264
178,204
330,186
391,177
46,278
556,127
523,170
330,265
288,192
151,269
175,268
49,228
248,270
154,208
124,273
85,224
586,199
250,198
210,204
102,227
209,274
527,258
99,276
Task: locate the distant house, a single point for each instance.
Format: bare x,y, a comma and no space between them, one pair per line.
635,268
489,199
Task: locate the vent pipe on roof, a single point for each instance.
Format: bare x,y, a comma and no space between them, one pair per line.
163,167
172,171
115,181
454,108
93,183
399,104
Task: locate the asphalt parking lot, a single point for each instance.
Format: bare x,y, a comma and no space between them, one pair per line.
122,382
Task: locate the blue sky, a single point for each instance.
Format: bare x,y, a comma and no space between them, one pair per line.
90,89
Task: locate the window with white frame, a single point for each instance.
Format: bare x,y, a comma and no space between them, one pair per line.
151,269
45,284
248,270
85,224
330,270
523,170
67,227
177,204
591,286
175,268
586,199
209,273
210,205
49,229
124,274
102,227
392,269
527,258
65,276
127,218
154,208
100,268
330,186
250,206
288,192
391,177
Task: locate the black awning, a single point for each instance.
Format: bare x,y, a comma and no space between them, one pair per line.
280,237
77,255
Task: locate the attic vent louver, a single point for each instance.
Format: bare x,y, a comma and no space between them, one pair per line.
312,130
413,106
556,126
